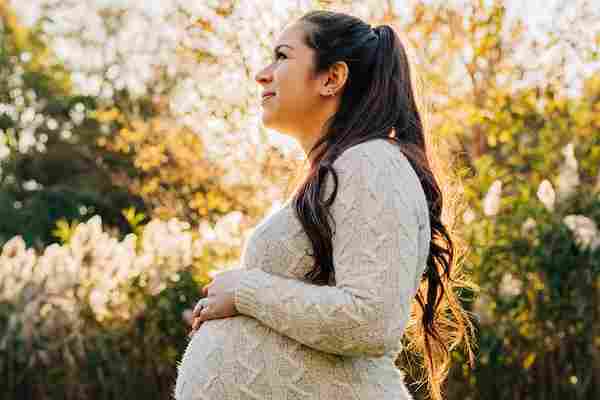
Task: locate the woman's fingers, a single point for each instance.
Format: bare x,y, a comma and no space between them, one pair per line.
195,326
202,303
201,313
202,316
196,311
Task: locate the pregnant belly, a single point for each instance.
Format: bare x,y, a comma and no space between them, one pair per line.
226,356
239,357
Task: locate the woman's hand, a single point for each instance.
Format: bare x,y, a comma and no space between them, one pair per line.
219,298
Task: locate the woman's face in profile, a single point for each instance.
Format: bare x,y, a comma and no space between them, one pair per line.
293,104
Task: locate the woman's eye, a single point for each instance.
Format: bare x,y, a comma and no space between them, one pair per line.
278,55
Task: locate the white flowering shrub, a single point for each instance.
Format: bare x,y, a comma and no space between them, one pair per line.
70,303
93,267
536,256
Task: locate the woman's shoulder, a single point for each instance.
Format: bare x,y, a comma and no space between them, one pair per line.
380,167
373,157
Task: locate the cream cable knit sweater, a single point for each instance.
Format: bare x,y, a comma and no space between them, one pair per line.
297,340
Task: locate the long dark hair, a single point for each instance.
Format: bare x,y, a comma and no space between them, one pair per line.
378,101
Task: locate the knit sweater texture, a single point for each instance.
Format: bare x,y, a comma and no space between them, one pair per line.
297,340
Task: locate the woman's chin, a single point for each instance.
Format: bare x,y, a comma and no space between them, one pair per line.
267,120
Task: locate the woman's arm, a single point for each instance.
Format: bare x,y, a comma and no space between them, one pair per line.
376,259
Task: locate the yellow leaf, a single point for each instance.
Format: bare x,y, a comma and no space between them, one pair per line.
64,230
129,214
106,115
504,136
529,360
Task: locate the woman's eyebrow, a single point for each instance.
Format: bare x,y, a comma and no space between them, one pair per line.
282,45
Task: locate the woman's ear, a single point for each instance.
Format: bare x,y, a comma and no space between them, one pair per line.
335,80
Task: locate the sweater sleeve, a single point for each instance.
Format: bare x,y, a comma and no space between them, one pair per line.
376,260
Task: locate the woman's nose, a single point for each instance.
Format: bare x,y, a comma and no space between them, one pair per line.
263,76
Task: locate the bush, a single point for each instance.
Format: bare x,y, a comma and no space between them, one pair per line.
537,261
96,317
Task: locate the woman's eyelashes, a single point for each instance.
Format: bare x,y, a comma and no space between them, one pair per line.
279,55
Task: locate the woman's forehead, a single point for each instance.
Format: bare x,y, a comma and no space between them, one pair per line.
291,36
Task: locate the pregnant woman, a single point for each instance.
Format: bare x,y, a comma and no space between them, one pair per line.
329,283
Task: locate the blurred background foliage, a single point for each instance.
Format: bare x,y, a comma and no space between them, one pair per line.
160,141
